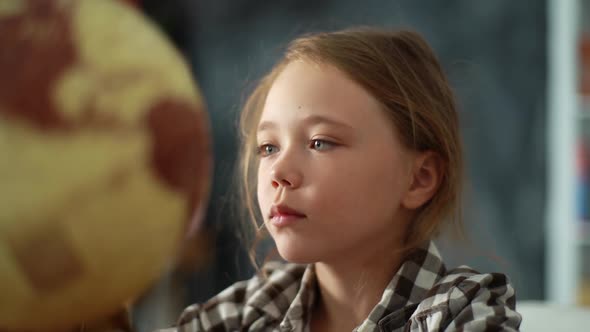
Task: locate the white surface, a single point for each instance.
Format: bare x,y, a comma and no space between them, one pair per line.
541,317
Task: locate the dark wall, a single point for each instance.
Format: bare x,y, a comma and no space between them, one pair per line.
495,55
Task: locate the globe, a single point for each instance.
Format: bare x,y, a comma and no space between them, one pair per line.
104,159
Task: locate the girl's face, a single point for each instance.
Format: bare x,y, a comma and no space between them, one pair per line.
332,172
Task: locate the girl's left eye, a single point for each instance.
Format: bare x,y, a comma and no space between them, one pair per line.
321,145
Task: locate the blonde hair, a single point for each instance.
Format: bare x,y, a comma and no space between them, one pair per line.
401,71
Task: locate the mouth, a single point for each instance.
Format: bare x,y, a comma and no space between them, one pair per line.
282,215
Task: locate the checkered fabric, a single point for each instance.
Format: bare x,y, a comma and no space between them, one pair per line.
422,296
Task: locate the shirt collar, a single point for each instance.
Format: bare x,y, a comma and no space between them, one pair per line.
421,270
289,293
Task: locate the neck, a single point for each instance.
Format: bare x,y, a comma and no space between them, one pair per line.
350,288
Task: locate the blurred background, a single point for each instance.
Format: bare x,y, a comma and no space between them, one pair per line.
521,72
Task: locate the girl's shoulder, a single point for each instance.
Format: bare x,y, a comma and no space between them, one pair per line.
465,299
245,302
426,296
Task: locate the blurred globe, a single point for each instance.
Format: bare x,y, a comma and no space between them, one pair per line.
104,159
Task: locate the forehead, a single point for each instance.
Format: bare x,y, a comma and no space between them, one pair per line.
305,88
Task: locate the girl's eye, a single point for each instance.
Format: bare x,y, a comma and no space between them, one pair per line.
267,150
321,145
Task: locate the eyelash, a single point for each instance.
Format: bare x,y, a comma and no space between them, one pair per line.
261,150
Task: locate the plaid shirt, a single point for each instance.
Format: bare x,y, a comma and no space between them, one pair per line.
422,296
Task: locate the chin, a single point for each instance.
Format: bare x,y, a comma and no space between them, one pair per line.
297,253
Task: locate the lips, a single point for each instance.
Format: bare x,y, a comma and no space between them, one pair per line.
284,211
282,216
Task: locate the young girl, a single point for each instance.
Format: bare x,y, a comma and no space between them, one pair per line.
352,162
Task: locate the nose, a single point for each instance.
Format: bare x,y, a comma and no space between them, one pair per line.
286,172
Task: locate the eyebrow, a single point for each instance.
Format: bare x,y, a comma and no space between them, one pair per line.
310,120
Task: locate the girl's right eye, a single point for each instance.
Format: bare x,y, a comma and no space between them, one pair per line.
267,150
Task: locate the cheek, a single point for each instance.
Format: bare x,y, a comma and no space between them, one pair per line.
361,188
387,183
263,187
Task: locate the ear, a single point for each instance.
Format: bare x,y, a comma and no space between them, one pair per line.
426,176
